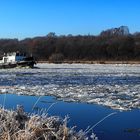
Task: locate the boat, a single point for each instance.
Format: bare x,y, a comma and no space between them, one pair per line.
17,59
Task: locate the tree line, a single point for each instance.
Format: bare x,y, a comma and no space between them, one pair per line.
81,47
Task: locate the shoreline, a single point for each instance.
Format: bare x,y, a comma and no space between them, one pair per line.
92,62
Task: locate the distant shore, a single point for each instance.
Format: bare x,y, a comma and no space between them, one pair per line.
93,62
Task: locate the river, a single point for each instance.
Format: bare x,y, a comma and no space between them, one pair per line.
86,93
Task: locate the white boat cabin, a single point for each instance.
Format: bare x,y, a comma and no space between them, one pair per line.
12,57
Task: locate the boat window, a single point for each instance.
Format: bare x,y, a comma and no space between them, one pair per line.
5,60
17,54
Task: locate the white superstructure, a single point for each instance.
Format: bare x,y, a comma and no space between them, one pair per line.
12,57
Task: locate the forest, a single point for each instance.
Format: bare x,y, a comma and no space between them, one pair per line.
106,46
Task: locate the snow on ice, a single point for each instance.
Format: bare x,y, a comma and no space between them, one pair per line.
114,86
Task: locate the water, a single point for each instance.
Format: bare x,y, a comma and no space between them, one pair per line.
82,115
115,86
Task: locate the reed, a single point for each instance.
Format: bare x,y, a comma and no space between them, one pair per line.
18,125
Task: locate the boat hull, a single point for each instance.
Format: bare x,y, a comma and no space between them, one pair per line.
29,64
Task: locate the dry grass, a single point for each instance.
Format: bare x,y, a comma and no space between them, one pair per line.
17,125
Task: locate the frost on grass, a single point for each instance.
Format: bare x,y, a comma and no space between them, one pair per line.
114,86
17,125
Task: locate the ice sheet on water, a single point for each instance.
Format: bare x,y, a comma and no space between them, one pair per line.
115,86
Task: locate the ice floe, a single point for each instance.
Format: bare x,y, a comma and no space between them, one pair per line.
114,86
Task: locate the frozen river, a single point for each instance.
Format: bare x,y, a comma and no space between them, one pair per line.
114,86
91,92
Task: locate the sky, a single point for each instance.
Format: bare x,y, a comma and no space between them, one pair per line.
30,18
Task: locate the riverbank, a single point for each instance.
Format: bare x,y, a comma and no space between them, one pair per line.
93,62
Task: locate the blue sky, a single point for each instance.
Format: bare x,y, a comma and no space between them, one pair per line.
29,18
